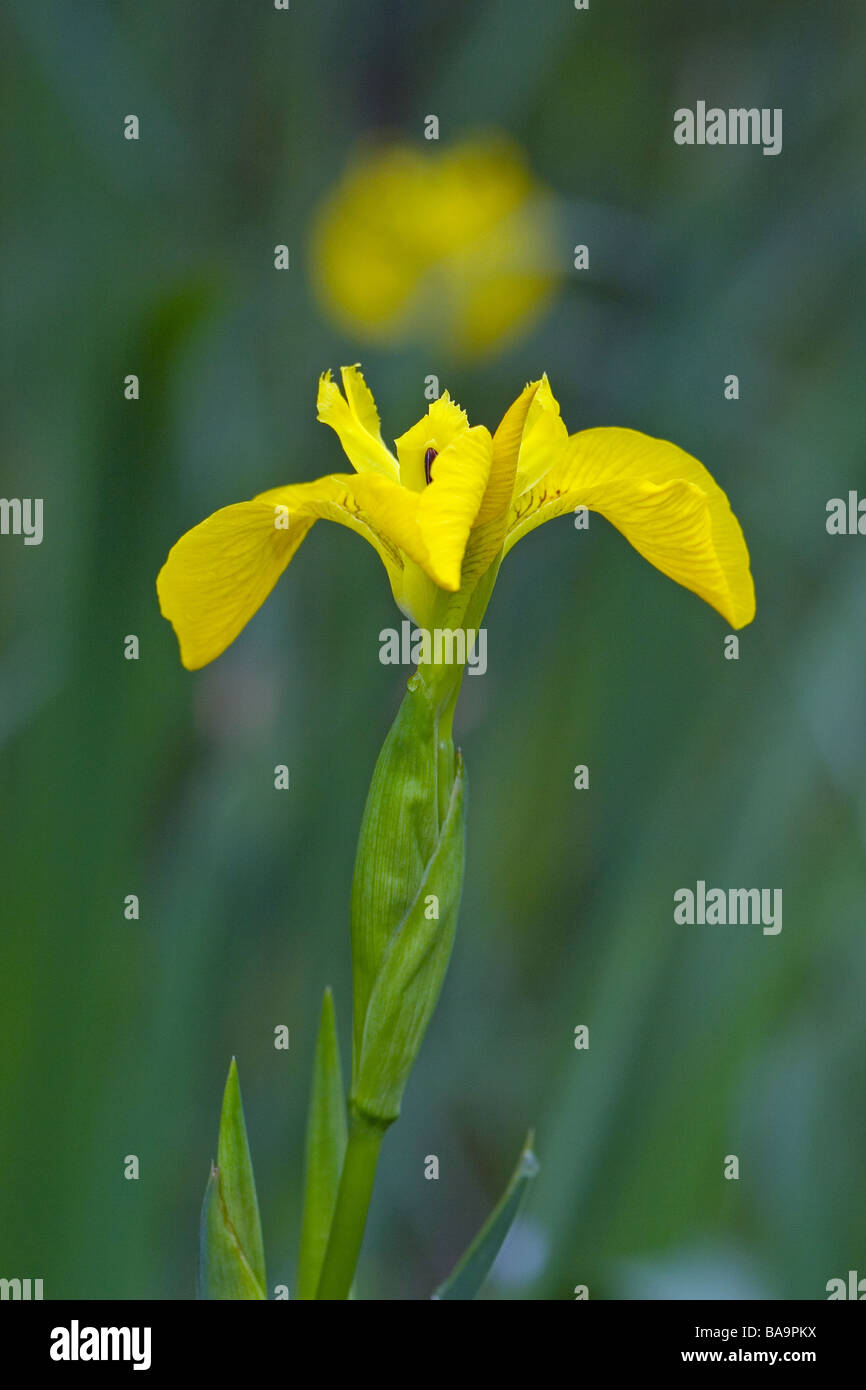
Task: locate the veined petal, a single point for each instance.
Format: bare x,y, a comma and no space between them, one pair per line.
355,419
448,508
662,500
220,573
488,530
507,443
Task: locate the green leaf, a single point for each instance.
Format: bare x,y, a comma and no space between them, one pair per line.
231,1256
472,1269
326,1146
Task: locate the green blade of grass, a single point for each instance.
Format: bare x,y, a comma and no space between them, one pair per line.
231,1258
325,1148
475,1264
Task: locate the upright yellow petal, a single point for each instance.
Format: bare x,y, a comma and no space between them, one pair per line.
662,500
220,573
432,526
448,509
437,429
488,531
507,443
355,419
543,438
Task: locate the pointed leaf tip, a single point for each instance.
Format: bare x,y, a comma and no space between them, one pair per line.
471,1270
231,1256
325,1148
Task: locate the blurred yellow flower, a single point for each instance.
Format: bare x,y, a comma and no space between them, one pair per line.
458,245
444,510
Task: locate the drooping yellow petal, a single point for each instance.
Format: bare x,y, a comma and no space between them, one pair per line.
355,419
220,573
662,500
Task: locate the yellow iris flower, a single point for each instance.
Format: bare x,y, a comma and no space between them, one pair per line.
458,244
444,510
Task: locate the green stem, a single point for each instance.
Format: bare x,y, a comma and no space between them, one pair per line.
444,684
350,1213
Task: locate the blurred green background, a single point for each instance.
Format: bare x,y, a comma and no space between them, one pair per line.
124,777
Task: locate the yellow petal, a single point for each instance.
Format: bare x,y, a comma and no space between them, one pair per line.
487,536
448,508
220,573
662,500
355,419
437,429
543,438
507,446
432,526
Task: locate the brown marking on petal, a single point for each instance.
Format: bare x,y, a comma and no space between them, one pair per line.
428,464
